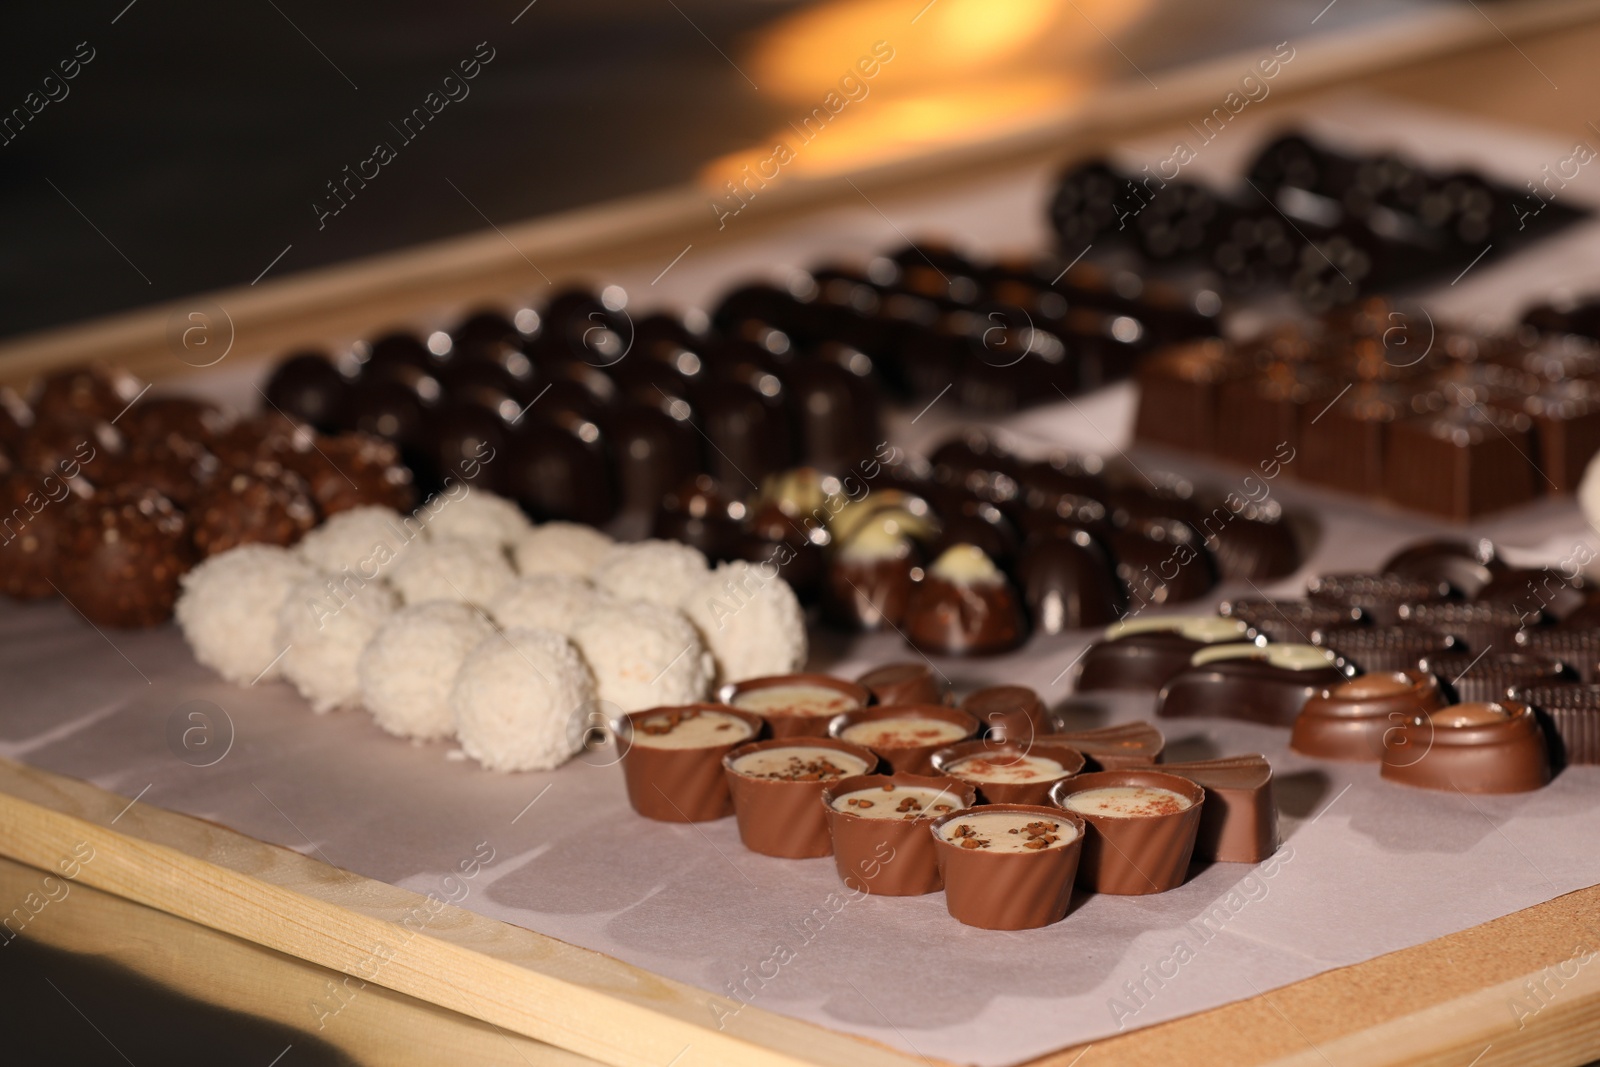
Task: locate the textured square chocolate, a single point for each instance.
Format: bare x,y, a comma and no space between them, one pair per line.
1460,463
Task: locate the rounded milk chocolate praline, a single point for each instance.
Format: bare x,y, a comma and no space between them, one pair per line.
965,605
264,505
353,470
31,511
122,553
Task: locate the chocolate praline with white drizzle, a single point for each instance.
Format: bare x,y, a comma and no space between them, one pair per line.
965,606
1143,653
1268,684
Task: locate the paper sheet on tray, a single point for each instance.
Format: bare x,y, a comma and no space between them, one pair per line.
571,861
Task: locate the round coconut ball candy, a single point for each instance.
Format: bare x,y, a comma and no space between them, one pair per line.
522,700
121,556
267,504
751,621
228,610
661,572
369,541
561,548
475,515
643,655
449,569
546,602
326,623
409,667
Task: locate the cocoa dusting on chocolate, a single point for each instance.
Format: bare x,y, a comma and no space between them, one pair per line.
1041,834
798,770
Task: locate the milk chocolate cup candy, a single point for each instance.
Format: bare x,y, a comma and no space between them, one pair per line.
1131,855
904,683
908,753
1010,890
1239,823
893,857
1349,721
680,784
997,768
1495,747
794,720
1008,712
785,818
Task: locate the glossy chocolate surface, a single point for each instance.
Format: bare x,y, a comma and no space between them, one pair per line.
1477,747
1239,823
1268,685
1353,720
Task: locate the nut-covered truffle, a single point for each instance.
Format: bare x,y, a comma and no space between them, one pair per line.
122,554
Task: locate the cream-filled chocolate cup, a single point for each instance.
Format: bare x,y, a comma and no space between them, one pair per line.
776,786
1142,828
1351,720
1009,866
879,827
796,705
905,735
672,759
1009,772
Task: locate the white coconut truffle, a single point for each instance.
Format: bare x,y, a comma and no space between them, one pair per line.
751,621
560,548
643,655
545,602
326,623
228,610
478,516
522,701
410,665
367,540
661,572
451,569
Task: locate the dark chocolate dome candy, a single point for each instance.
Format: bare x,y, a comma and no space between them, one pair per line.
1068,582
1468,566
556,468
309,388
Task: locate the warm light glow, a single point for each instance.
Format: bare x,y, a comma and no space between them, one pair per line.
864,85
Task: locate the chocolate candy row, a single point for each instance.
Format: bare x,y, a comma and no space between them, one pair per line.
1004,826
1447,423
1326,225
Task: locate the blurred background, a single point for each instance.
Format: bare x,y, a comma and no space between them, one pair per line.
197,143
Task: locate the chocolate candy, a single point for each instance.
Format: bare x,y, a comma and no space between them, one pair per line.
352,470
309,388
964,605
1008,712
1460,463
1353,720
904,683
1467,566
120,556
1476,747
264,505
1162,561
1115,748
556,468
687,784
94,393
870,579
1290,620
1008,772
1067,580
1566,425
1386,648
1145,653
655,449
170,421
1481,626
703,513
1346,445
1007,890
1267,684
31,531
1579,649
1252,544
1178,391
1490,676
1148,848
1571,717
1540,593
1379,596
1239,823
906,735
784,816
861,842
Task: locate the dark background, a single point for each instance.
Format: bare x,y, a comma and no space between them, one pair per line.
198,137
